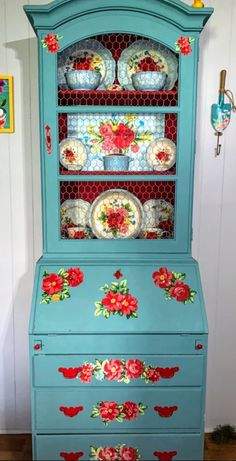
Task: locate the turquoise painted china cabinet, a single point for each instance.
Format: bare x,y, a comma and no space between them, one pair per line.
118,331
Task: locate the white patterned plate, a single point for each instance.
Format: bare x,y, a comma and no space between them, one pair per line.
116,214
141,49
156,211
101,59
75,212
73,154
161,154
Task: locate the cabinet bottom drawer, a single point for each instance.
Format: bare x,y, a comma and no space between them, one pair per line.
115,447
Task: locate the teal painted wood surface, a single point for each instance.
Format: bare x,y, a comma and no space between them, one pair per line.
167,334
191,370
49,416
163,27
133,343
155,313
188,446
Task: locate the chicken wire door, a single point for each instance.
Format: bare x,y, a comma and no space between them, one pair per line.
148,133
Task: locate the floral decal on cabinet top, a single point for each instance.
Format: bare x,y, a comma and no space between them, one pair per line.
50,41
56,286
173,285
117,300
113,411
118,453
183,45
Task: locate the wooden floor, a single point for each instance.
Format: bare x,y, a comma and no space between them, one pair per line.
18,448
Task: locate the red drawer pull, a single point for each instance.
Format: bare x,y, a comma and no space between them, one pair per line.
166,412
71,456
168,373
165,455
69,373
71,411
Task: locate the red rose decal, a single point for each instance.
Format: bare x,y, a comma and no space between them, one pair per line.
173,285
51,42
152,374
183,41
113,369
180,291
134,368
130,410
162,278
53,48
108,411
50,39
112,301
75,277
117,300
107,454
129,304
128,454
52,284
86,373
118,453
183,45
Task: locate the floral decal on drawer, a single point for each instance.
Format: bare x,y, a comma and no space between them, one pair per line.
113,411
173,285
119,370
118,453
117,300
56,287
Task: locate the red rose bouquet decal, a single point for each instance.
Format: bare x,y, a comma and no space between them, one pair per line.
117,301
118,453
183,45
117,137
56,287
173,285
50,41
112,411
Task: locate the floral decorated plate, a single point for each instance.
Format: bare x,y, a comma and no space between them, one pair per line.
87,55
73,154
157,211
116,214
147,55
75,212
161,154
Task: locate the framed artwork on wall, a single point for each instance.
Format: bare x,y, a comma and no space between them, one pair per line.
6,104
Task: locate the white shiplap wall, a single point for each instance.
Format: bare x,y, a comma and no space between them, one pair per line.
20,231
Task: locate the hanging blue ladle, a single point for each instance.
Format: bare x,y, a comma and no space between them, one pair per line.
221,112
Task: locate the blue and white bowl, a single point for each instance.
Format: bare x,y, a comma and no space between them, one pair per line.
83,79
149,80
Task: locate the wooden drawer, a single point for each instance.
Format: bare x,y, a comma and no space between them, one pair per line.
174,370
176,447
122,410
